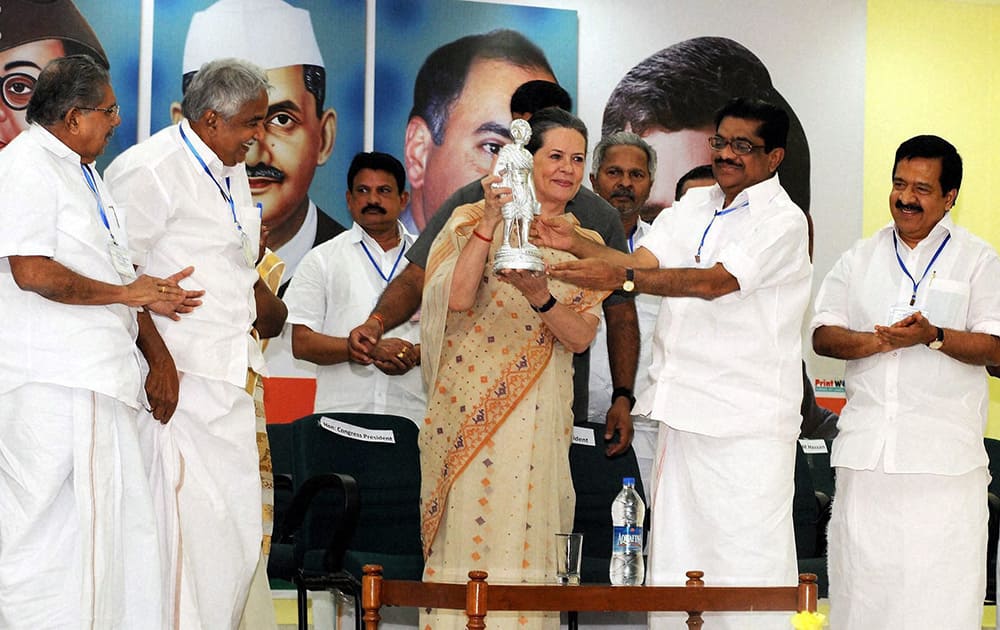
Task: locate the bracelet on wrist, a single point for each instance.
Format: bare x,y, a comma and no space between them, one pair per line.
381,321
544,308
481,237
623,392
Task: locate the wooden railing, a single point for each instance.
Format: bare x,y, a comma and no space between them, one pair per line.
477,597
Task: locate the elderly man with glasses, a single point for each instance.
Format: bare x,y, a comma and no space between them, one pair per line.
732,267
77,532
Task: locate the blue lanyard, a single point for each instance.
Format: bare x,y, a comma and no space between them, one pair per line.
895,246
718,213
87,175
631,235
229,197
394,265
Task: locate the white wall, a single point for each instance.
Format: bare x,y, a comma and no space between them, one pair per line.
815,52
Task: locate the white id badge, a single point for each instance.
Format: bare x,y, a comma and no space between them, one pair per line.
248,251
900,311
122,261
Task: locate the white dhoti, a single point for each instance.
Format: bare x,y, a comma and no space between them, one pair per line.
206,487
722,506
908,550
78,546
644,442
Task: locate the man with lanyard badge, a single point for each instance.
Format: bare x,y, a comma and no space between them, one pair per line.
731,263
336,286
915,312
187,195
78,533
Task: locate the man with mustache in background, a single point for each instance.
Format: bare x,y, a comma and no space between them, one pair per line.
338,284
624,166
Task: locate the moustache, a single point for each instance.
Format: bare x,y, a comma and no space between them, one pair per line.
623,192
373,207
722,160
912,207
265,171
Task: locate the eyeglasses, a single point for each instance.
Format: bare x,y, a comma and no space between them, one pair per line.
740,147
17,88
110,111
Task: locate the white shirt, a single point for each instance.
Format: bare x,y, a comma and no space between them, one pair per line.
335,287
601,385
921,410
732,366
177,218
47,209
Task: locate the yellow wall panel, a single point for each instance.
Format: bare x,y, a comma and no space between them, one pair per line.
932,68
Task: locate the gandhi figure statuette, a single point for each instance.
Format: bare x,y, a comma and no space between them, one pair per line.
514,166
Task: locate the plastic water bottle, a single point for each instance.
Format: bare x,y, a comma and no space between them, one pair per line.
627,515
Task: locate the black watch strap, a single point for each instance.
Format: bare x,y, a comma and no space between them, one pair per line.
544,308
623,391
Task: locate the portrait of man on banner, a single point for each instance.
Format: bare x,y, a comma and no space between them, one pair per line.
443,101
35,33
314,55
670,98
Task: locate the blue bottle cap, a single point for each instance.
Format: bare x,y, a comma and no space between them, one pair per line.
628,481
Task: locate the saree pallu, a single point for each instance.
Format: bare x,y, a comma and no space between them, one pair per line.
494,446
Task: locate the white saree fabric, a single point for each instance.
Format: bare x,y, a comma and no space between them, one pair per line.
722,506
78,542
206,489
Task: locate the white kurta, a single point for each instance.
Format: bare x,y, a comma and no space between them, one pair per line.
336,286
909,451
204,463
728,385
77,534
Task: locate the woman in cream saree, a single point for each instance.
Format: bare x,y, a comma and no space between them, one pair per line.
494,446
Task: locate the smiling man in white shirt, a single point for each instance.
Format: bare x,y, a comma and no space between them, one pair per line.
188,197
732,266
338,284
915,312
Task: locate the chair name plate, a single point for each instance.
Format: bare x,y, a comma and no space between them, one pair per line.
352,432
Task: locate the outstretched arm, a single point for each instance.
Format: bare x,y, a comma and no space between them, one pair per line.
54,281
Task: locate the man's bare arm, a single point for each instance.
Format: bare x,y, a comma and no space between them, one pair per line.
623,356
162,383
54,281
841,343
271,311
309,345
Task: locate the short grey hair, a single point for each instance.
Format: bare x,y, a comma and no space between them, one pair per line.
225,86
624,138
65,83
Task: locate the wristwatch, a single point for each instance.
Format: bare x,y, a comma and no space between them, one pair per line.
629,285
938,341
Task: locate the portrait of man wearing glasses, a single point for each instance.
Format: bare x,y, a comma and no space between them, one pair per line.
33,34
